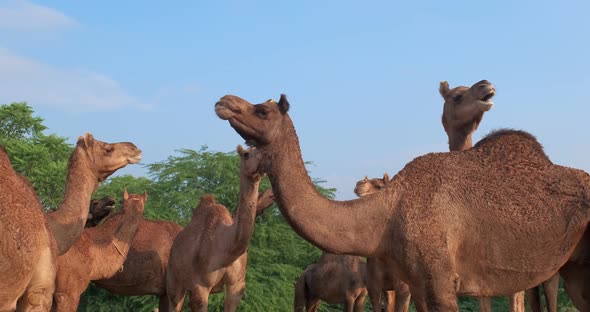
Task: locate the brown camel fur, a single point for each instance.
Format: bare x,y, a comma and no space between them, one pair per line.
336,279
381,279
99,210
492,220
144,270
98,254
91,162
211,251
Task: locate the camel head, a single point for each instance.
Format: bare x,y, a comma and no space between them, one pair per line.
250,163
134,202
265,200
99,210
258,124
464,107
368,186
108,157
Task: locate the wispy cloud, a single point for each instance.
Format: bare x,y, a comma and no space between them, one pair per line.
22,15
25,79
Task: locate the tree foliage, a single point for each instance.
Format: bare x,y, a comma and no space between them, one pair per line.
43,159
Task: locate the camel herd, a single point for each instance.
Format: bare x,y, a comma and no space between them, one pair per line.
497,218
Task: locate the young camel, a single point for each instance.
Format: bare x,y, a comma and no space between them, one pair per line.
336,279
31,239
144,270
211,251
380,278
98,254
492,220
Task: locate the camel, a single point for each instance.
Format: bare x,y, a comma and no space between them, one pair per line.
336,279
492,220
221,265
32,239
211,251
380,278
98,254
99,210
144,270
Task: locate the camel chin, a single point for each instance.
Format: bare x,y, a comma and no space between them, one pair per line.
485,105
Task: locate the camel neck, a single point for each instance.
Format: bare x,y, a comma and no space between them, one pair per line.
245,216
67,223
460,142
350,227
111,242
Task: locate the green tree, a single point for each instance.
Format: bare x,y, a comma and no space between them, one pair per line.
41,158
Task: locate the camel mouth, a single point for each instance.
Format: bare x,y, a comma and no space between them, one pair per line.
135,159
488,96
224,112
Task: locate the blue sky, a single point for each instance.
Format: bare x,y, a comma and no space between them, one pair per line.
362,77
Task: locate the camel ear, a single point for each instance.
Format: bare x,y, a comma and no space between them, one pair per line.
125,195
239,149
444,89
283,104
385,177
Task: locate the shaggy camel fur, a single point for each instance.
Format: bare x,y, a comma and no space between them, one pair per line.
98,254
99,210
211,251
336,279
144,270
492,220
37,237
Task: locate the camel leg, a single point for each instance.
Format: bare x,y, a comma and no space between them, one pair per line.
233,296
359,302
534,299
402,298
551,288
199,299
517,302
375,296
163,304
39,293
485,304
390,296
349,304
175,299
312,305
441,288
64,302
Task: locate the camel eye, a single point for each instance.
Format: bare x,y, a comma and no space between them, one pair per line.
457,98
109,149
261,112
246,155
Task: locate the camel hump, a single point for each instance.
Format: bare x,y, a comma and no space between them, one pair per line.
509,140
207,199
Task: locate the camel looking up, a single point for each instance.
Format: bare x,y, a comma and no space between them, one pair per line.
463,111
99,210
98,254
336,279
497,219
31,281
210,252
